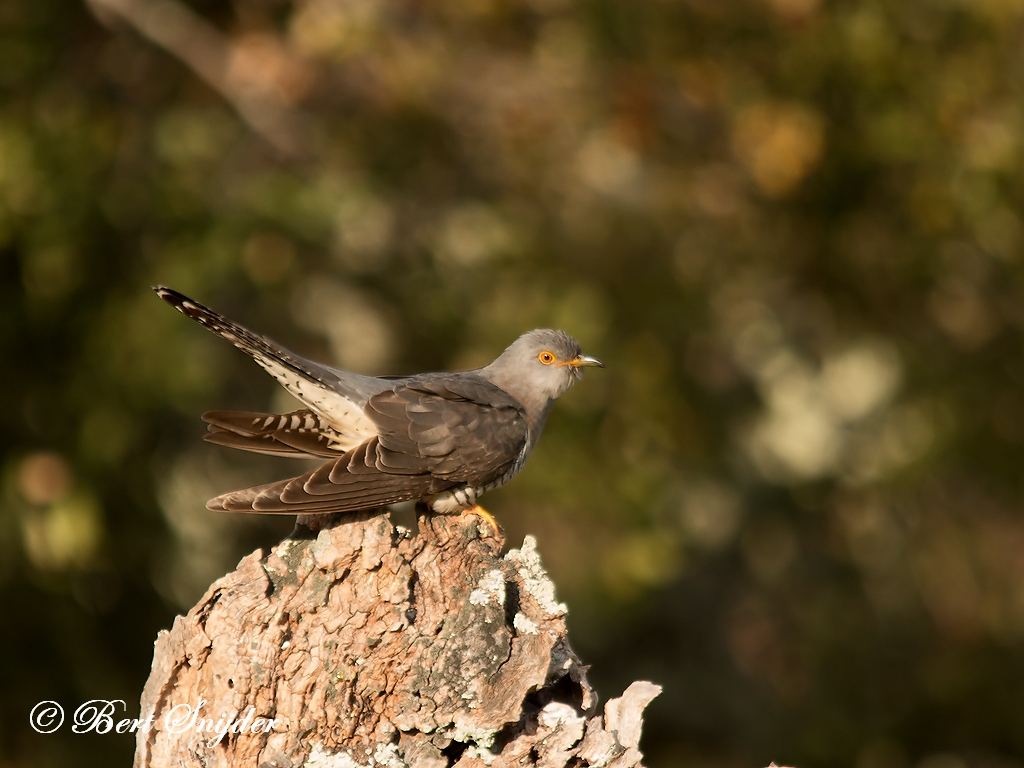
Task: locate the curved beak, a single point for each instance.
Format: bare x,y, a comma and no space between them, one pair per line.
586,361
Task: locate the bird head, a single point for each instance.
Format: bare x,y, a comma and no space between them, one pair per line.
540,364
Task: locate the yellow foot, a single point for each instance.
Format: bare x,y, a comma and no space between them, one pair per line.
487,516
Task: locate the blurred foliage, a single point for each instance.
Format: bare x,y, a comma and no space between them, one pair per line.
790,227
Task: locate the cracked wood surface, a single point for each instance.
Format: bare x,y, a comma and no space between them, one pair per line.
361,644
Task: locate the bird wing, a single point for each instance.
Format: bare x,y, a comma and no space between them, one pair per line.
300,434
458,426
438,432
323,390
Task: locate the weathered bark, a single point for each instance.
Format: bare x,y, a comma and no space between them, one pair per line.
371,646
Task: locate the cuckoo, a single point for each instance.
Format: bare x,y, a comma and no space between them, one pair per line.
443,438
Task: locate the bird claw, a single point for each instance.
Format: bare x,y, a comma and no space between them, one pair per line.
487,516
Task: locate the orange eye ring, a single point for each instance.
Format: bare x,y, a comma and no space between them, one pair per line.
546,357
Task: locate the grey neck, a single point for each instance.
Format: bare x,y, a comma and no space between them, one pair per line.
537,406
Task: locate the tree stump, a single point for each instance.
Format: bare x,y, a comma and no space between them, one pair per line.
361,644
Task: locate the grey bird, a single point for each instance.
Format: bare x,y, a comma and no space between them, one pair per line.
443,438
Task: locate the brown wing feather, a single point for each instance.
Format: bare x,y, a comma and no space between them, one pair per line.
258,444
435,434
361,486
464,428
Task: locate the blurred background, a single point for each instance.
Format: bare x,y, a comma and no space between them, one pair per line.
791,229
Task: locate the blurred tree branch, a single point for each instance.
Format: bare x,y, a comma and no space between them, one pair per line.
254,74
367,645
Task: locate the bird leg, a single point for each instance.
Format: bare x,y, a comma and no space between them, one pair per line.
487,516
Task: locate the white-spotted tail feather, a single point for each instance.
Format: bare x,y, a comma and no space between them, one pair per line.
300,434
344,413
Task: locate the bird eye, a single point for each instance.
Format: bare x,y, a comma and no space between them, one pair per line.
546,357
